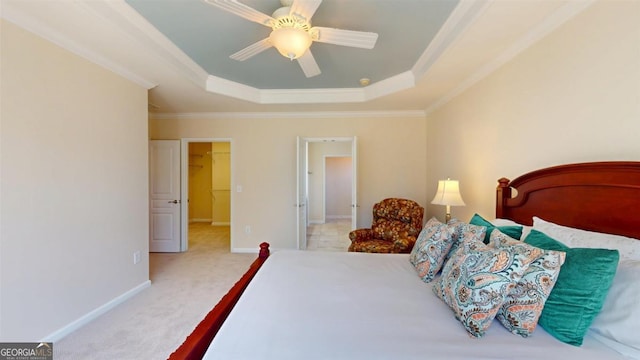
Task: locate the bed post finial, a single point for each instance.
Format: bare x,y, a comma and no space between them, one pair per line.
503,192
264,250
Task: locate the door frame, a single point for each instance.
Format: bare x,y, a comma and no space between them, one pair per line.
301,234
184,187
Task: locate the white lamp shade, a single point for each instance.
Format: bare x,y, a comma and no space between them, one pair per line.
291,42
448,193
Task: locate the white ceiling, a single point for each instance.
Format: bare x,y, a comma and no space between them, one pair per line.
427,51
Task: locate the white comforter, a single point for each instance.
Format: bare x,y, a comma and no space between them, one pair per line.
323,305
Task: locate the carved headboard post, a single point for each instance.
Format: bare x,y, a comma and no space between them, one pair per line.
503,192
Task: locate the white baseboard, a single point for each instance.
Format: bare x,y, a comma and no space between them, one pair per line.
220,223
199,220
92,315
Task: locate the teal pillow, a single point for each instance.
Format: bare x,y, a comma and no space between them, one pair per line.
515,232
581,288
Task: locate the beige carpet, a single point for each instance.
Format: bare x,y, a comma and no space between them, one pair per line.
184,287
151,325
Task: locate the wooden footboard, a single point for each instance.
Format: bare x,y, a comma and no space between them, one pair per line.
198,341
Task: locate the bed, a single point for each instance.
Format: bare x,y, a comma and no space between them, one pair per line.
311,305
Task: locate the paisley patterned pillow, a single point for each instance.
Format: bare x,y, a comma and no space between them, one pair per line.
498,239
461,232
431,247
523,305
476,281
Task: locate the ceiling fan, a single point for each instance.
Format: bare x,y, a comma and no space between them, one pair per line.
292,33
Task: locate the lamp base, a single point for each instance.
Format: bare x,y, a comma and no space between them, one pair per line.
447,217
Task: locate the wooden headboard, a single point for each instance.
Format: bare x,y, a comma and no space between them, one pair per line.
596,196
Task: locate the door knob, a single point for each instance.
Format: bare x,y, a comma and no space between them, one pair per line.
174,202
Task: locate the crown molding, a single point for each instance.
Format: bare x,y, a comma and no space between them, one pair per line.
230,88
388,86
128,20
18,17
289,115
385,87
465,14
551,23
125,17
312,96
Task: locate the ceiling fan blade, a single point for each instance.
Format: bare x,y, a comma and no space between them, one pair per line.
360,39
308,64
243,11
304,8
252,50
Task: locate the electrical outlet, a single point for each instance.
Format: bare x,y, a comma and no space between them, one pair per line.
136,257
247,229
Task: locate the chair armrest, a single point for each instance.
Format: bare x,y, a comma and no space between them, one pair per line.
404,244
361,235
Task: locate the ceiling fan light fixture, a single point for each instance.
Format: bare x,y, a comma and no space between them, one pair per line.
291,42
292,34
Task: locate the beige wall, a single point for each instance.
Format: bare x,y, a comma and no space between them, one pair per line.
74,187
391,162
338,187
572,97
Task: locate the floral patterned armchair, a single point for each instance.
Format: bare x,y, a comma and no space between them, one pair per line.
396,225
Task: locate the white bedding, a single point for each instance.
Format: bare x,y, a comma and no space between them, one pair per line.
329,305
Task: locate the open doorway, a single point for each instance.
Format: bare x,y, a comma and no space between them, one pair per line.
207,188
329,180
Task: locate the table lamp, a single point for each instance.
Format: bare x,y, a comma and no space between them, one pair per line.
448,194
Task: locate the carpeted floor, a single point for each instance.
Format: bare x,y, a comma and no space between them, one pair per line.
151,325
184,287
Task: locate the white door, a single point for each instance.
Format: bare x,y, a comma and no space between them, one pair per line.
354,184
301,193
164,178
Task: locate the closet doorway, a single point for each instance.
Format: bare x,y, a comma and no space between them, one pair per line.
207,188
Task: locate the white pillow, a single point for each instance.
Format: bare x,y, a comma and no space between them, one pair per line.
618,324
506,222
629,248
